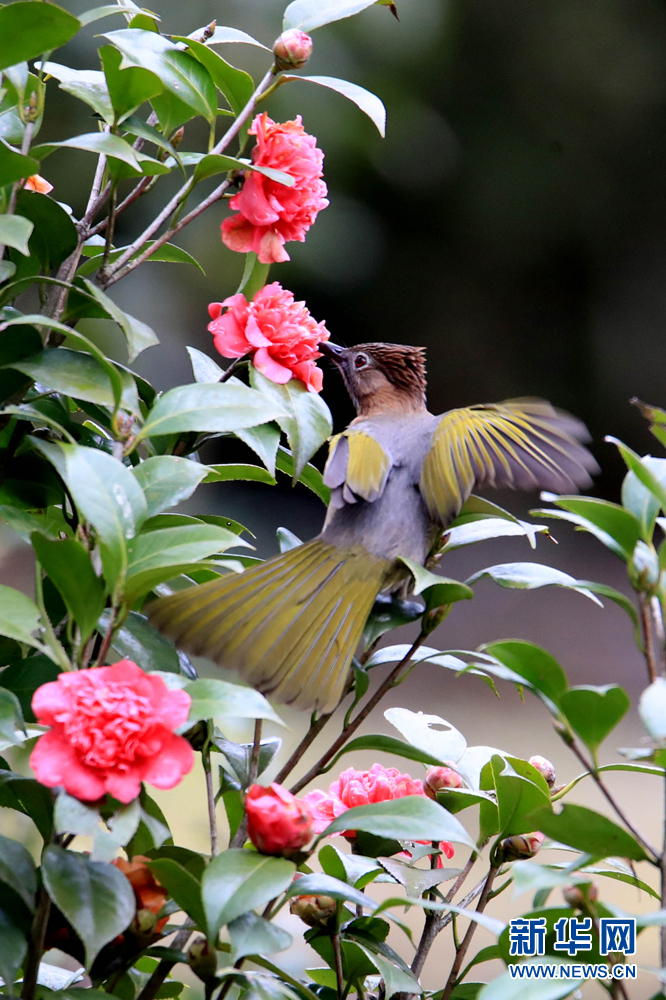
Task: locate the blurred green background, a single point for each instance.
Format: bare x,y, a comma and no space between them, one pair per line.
513,222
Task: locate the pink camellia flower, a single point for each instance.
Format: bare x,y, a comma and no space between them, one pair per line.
280,334
292,49
112,728
269,213
361,788
277,822
438,778
37,183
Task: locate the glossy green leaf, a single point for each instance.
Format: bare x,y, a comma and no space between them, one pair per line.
138,334
14,229
31,798
87,85
594,712
204,368
68,565
212,698
364,99
429,733
89,16
519,790
587,831
310,475
641,468
167,480
310,14
236,85
537,667
163,554
616,527
24,676
437,590
506,987
101,143
14,166
639,500
19,616
96,898
397,979
652,709
14,929
489,527
182,886
27,30
417,880
178,71
410,818
215,163
168,253
171,113
251,934
209,407
237,881
12,727
137,640
71,372
54,236
227,473
326,885
128,88
304,417
531,576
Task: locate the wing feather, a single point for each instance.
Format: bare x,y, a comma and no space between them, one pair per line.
522,444
357,468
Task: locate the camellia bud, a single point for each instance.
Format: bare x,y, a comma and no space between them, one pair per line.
202,959
144,924
580,896
292,49
315,911
277,822
520,847
438,778
544,767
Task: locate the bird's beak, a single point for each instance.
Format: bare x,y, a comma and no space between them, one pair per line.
332,351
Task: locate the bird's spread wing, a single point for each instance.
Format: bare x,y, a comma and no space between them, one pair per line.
523,444
357,468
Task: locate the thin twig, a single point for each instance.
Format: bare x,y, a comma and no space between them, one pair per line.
108,636
662,866
145,185
36,945
339,975
210,791
434,921
658,621
111,225
352,726
256,752
471,930
164,968
647,638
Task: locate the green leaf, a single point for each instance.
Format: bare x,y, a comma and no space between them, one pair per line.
237,881
97,13
31,798
410,818
251,934
587,831
23,677
138,334
73,816
310,14
12,727
14,229
489,527
100,143
87,85
27,30
208,407
106,494
17,870
54,236
220,699
137,640
96,898
437,590
505,987
250,473
68,565
594,712
71,372
616,527
236,85
641,468
433,736
637,498
364,99
519,789
386,744
215,163
417,880
128,88
14,166
168,253
326,885
174,546
204,369
537,667
264,440
19,616
171,113
530,576
167,480
396,978
254,276
310,476
183,886
179,72
304,416
652,709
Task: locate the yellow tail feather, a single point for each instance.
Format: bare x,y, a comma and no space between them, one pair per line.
289,626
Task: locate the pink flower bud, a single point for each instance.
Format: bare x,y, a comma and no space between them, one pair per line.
520,847
438,778
544,767
292,49
202,959
580,896
144,925
315,911
277,822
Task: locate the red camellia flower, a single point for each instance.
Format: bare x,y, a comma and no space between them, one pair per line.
148,892
269,213
361,788
280,334
112,728
277,822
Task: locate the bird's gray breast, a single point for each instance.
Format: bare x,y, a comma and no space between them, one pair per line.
397,523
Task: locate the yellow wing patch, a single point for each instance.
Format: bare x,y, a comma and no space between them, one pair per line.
358,464
520,444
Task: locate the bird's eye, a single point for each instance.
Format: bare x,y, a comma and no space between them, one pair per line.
361,361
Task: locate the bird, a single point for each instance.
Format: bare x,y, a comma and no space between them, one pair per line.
398,475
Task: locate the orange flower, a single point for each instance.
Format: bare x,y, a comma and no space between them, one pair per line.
149,894
37,183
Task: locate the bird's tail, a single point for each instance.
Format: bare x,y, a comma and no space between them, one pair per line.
289,626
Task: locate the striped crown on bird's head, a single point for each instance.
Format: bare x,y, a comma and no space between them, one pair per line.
378,374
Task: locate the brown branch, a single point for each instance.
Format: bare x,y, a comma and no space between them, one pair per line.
467,940
435,921
210,791
164,968
647,637
256,752
339,975
36,945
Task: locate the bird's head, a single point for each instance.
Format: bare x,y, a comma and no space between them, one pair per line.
381,377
